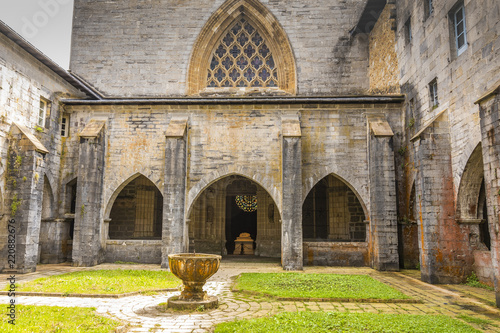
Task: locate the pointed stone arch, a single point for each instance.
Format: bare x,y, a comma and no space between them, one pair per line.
355,184
470,186
267,25
332,202
215,220
136,210
47,200
122,185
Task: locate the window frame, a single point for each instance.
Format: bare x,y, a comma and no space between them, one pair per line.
64,130
408,31
428,9
460,49
42,112
433,94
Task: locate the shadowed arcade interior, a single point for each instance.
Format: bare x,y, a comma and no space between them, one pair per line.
228,208
137,211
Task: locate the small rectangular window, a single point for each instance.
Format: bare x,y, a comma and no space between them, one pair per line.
429,8
460,29
64,126
433,90
408,32
42,112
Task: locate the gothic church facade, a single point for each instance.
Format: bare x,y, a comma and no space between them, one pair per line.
348,133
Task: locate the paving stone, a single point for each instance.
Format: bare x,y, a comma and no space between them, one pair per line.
140,310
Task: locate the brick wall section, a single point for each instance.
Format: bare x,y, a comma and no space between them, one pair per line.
383,71
490,128
153,59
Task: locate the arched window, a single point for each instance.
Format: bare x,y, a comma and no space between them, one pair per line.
242,59
242,49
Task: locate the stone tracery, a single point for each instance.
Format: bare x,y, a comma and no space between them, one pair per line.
242,59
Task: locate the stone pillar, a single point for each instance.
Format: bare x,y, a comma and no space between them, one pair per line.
87,246
291,227
174,234
445,254
26,169
489,111
383,206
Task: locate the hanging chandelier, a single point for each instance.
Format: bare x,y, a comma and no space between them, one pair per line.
247,203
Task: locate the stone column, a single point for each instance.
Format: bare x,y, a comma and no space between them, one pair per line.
445,254
174,236
383,207
489,106
291,227
26,169
87,246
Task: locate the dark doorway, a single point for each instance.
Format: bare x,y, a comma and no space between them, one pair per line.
484,227
237,222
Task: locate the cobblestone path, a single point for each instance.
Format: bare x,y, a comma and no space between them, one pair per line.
141,313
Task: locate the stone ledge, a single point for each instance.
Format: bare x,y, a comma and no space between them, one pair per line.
134,242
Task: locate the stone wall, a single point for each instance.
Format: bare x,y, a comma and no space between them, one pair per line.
430,54
383,70
153,58
140,251
237,139
232,139
336,254
23,81
461,79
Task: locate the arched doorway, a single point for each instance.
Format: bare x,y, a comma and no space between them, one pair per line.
229,207
334,225
471,201
137,211
472,215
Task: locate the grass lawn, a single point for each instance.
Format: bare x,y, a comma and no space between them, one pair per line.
44,319
316,322
317,286
116,281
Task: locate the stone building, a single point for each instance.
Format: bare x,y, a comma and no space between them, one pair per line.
346,132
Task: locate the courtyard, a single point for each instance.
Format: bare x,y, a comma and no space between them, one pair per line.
142,313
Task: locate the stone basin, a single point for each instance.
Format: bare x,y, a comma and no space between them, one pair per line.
194,270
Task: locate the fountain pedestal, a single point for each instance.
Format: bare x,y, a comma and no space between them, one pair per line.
193,270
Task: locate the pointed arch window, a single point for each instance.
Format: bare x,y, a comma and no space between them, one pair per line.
242,59
242,49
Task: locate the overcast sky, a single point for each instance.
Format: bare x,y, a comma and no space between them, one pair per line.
44,23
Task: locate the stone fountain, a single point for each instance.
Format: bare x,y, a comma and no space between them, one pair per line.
193,269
